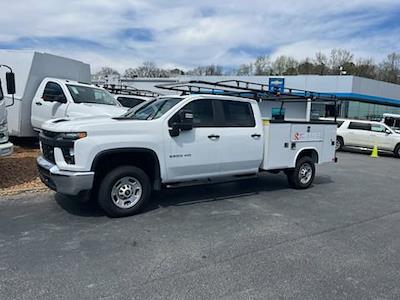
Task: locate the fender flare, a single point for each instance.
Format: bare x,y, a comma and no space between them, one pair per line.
157,168
305,149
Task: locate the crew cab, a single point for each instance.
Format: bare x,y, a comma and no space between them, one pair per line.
175,140
367,134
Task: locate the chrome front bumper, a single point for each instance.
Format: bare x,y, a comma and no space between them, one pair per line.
64,182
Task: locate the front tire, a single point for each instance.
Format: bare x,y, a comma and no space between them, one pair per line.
302,176
124,191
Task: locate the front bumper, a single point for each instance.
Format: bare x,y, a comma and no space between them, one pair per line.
6,149
64,182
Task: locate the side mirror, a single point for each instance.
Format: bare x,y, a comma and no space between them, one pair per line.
388,131
183,121
186,119
10,78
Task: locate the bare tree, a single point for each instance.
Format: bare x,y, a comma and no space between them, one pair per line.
284,65
389,69
365,68
262,65
306,67
340,58
245,70
148,69
213,70
104,71
130,73
321,63
210,70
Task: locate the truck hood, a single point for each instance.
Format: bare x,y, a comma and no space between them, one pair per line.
89,109
94,124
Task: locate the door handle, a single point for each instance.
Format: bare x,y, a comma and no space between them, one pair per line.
38,103
213,137
256,136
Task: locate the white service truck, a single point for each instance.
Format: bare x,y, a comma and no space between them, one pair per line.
50,86
175,140
6,148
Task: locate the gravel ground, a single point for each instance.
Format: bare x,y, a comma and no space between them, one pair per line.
18,172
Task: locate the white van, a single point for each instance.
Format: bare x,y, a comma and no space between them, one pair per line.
49,87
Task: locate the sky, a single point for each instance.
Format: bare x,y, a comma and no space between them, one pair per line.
185,34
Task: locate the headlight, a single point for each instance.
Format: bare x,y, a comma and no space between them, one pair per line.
73,135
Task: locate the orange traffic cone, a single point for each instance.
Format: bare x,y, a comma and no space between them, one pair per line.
374,153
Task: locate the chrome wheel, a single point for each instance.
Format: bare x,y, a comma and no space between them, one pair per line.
305,173
126,192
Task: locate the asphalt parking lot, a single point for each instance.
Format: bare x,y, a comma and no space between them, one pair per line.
243,240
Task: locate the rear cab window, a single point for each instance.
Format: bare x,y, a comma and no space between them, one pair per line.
238,114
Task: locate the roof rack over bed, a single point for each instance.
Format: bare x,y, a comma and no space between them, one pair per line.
128,90
247,89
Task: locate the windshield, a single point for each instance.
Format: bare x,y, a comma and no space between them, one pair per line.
86,94
154,109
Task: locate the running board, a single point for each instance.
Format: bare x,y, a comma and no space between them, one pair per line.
211,181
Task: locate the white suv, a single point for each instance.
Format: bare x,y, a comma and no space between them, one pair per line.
367,134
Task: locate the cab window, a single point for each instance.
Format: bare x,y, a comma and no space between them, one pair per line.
53,91
238,114
203,113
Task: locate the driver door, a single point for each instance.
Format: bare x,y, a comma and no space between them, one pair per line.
51,104
195,153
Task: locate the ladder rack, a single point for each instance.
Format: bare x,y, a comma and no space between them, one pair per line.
247,89
130,91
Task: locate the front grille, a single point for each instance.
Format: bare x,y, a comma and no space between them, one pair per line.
48,153
51,140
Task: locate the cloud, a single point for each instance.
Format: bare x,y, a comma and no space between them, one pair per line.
124,33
